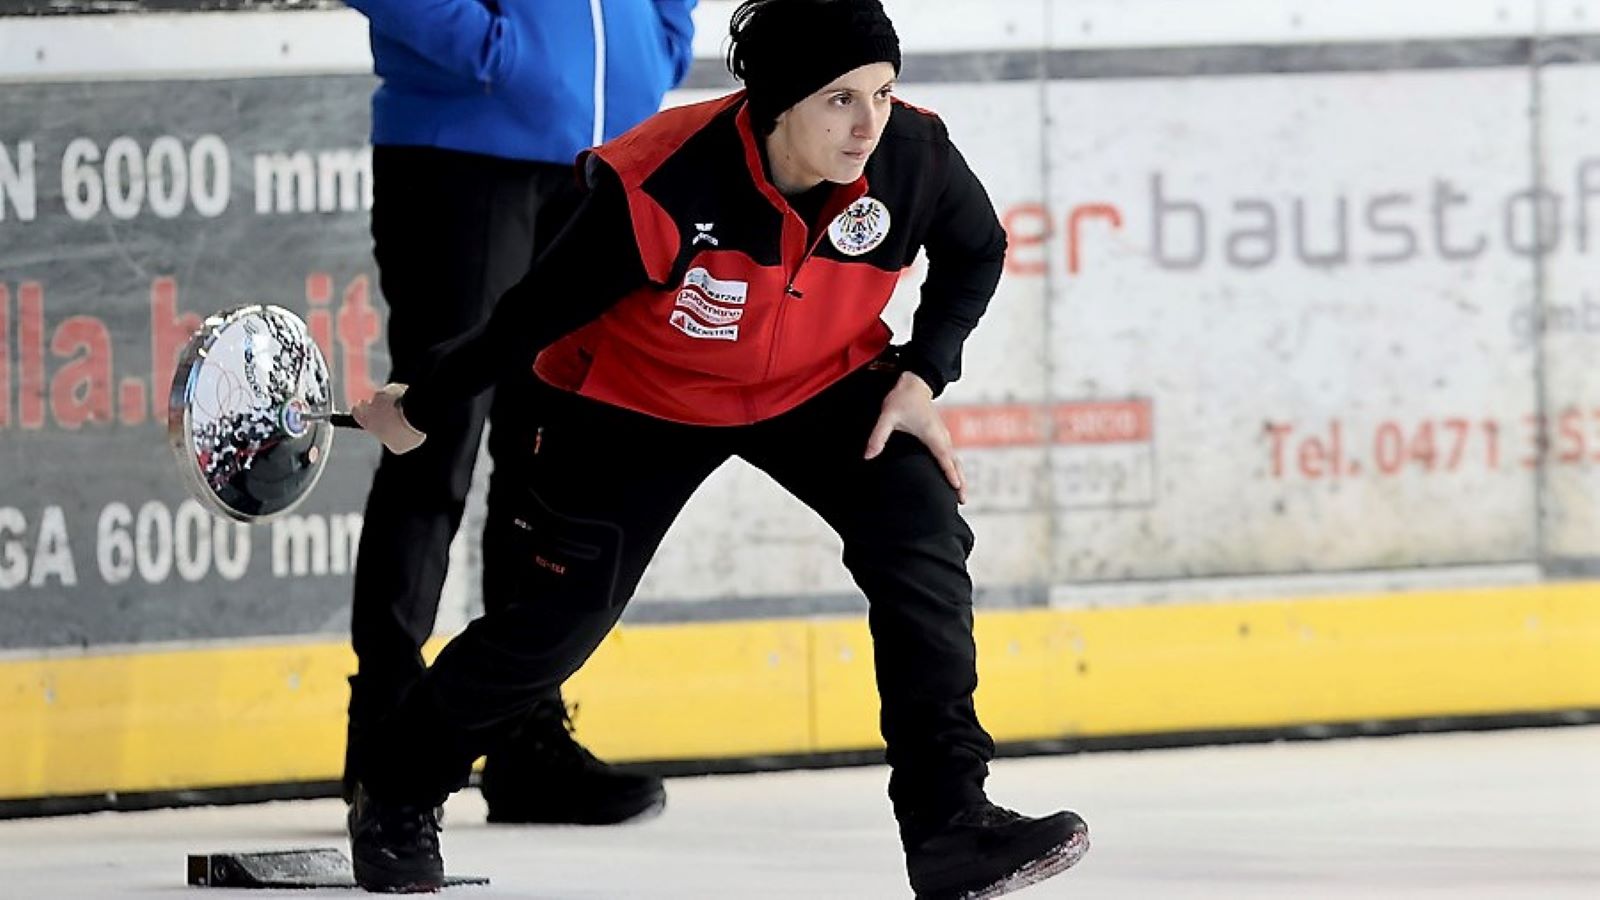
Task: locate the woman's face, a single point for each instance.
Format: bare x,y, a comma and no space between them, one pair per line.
829,135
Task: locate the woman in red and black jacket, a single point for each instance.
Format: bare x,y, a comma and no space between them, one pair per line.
718,294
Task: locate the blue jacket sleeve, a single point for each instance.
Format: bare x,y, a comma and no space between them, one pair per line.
678,24
462,36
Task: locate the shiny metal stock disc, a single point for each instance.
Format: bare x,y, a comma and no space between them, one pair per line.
241,415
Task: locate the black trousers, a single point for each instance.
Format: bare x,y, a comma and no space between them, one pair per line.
451,232
576,515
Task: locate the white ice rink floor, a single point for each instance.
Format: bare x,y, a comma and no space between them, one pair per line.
1512,814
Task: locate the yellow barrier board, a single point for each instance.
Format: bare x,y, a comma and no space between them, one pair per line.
236,715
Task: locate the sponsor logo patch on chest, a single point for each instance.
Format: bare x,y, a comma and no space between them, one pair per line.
709,308
860,228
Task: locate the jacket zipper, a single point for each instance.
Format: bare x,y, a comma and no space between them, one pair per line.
789,288
789,293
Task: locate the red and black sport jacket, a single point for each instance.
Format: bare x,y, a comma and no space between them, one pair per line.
688,288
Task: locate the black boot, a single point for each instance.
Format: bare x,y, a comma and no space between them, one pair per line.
543,775
395,847
986,851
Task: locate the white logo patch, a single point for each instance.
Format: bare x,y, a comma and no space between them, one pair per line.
715,323
721,291
860,228
682,322
716,315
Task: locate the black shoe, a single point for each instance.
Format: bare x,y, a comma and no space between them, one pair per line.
395,847
986,851
544,776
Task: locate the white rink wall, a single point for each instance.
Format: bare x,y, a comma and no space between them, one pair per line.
1283,417
1274,301
1295,287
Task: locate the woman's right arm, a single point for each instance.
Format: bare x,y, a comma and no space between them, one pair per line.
592,263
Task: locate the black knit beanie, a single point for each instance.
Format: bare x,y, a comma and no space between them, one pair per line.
786,50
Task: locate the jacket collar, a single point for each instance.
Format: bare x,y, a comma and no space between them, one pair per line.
843,194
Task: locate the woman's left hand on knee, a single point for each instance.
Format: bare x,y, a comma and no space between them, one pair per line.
908,407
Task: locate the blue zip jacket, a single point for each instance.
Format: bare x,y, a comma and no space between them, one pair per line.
522,79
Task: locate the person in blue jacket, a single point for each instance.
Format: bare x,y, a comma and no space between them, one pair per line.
482,108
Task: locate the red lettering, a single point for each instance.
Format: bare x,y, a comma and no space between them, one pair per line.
358,330
994,426
169,332
30,347
1027,226
1280,437
1458,428
1571,436
319,293
1103,422
1388,448
80,391
1075,229
1336,451
1422,448
1313,458
5,356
